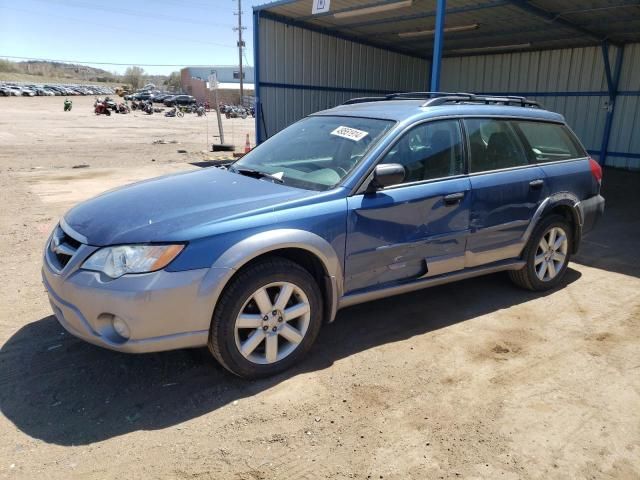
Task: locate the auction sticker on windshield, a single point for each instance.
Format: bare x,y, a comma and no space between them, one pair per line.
350,133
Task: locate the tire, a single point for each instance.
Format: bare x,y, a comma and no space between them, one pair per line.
271,276
535,256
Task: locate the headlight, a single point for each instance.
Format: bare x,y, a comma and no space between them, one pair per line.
117,261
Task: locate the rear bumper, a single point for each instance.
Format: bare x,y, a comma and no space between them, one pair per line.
592,210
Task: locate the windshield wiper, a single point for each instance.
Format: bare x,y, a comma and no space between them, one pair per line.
250,172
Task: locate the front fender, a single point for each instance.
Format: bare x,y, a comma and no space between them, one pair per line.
241,253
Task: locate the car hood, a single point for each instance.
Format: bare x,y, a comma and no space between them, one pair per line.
169,208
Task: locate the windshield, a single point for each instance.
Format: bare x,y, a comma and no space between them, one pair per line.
315,153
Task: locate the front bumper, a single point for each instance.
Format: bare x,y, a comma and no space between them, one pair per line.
162,310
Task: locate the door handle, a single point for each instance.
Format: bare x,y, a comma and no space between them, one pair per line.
536,184
453,198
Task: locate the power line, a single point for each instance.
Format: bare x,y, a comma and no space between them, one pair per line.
99,63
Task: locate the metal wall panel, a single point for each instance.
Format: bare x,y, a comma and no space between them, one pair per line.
303,71
293,60
625,132
572,71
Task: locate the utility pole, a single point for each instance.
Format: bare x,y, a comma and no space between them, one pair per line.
239,29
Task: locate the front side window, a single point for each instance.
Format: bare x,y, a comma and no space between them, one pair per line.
430,150
493,145
315,153
549,142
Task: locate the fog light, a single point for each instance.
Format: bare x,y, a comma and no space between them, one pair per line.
121,327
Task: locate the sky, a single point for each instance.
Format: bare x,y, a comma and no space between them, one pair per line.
134,32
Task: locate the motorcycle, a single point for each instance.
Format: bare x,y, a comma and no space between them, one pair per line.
123,108
67,105
201,111
101,108
174,112
236,112
148,108
111,104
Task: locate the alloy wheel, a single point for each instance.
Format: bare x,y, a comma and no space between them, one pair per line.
551,254
272,323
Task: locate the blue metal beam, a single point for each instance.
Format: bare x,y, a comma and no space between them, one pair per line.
276,3
438,38
613,80
326,88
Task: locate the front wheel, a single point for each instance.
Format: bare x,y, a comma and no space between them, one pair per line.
547,255
267,319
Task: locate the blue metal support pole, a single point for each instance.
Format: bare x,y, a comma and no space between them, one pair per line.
613,81
436,60
256,73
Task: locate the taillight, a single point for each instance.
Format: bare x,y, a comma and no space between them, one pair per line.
596,170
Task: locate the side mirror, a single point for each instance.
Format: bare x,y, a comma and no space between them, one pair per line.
386,175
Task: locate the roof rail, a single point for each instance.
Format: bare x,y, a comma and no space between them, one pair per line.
484,99
441,98
399,96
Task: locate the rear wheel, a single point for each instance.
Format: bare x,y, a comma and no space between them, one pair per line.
546,255
266,319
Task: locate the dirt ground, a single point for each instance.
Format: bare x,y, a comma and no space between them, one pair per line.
476,379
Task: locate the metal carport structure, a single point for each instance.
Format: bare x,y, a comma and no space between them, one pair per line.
580,58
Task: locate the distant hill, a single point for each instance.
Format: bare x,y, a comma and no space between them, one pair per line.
39,71
55,70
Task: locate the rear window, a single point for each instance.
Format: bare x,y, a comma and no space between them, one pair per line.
549,142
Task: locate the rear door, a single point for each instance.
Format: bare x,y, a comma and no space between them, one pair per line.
418,228
559,154
506,190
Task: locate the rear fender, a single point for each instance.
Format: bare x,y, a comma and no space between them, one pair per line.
566,199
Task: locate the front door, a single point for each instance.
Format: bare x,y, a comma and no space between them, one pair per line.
417,228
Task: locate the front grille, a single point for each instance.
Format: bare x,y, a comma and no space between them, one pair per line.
61,248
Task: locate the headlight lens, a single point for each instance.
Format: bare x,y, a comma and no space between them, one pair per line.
117,261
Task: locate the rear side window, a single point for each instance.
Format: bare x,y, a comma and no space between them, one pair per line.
493,145
549,142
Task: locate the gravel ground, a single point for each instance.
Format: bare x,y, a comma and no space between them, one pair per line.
476,379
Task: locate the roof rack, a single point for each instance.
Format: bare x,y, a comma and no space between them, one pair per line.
440,98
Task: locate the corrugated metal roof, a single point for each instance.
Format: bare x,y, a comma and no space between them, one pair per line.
502,25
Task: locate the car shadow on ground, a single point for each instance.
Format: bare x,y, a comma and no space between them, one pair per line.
62,390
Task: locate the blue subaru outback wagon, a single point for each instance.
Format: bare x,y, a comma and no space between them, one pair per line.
376,197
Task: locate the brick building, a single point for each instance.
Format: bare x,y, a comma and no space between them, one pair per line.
194,81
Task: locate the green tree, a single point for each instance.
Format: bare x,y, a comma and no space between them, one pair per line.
173,81
134,76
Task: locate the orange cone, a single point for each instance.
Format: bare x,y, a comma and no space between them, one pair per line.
247,145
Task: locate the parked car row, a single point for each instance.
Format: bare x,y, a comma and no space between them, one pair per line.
12,89
156,96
